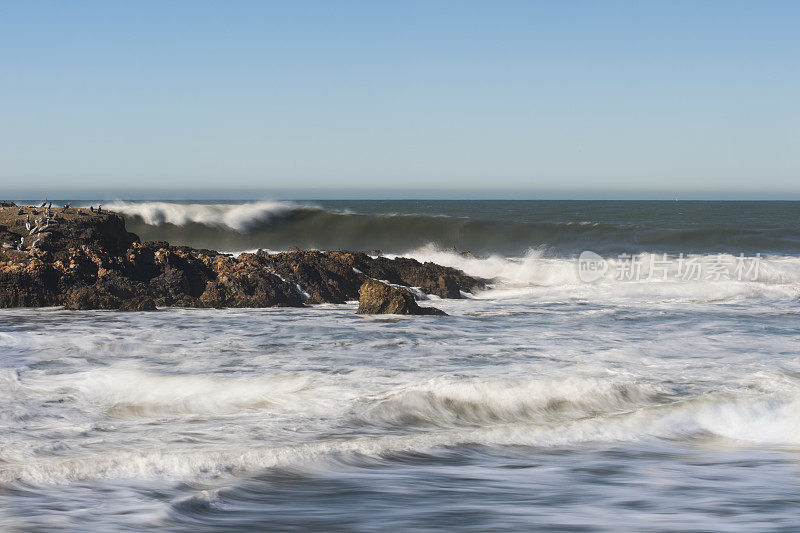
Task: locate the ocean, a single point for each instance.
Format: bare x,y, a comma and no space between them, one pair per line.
632,366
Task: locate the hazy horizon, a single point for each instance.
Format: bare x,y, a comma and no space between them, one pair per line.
244,194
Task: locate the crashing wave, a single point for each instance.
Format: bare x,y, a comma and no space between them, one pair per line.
238,217
282,225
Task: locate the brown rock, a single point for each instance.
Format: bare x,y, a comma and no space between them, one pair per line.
139,303
90,297
377,298
336,277
90,261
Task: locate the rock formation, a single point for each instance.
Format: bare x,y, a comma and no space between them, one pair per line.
377,298
88,260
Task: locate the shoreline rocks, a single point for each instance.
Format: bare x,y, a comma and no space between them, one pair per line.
88,260
378,298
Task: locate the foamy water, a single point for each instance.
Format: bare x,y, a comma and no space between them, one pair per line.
220,408
543,402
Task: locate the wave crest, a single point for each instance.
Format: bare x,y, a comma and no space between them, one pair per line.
280,225
238,217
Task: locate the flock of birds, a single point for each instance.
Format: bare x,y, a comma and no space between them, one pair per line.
37,228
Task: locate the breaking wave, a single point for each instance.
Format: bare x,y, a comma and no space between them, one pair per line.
283,225
532,412
716,276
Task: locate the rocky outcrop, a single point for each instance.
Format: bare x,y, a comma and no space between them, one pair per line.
337,276
87,260
376,298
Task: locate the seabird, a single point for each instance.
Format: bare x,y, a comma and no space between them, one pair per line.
20,211
44,203
28,223
91,208
21,242
35,243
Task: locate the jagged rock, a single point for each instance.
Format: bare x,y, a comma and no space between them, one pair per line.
322,275
140,303
89,261
26,281
376,298
337,276
90,297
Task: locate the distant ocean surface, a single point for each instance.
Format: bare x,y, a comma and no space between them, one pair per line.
651,384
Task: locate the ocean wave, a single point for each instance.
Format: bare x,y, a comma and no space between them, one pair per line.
451,403
131,393
727,419
715,277
284,225
241,218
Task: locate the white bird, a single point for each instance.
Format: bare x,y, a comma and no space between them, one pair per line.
21,242
35,243
28,222
43,228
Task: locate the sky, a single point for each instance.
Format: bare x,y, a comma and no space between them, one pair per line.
527,99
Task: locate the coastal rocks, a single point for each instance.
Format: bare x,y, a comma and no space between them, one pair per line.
336,277
245,282
26,281
98,297
376,298
87,260
445,282
72,230
324,276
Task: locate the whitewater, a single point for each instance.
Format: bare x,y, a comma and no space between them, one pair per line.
543,402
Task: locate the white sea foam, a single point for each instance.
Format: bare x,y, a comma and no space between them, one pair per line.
753,420
776,276
238,217
532,411
450,402
131,393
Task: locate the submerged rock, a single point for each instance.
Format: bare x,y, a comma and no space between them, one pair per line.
377,298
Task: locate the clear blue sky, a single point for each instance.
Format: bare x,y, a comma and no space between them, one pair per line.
533,96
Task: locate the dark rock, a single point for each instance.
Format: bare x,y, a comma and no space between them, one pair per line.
324,276
140,303
90,297
92,262
336,277
26,281
376,298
